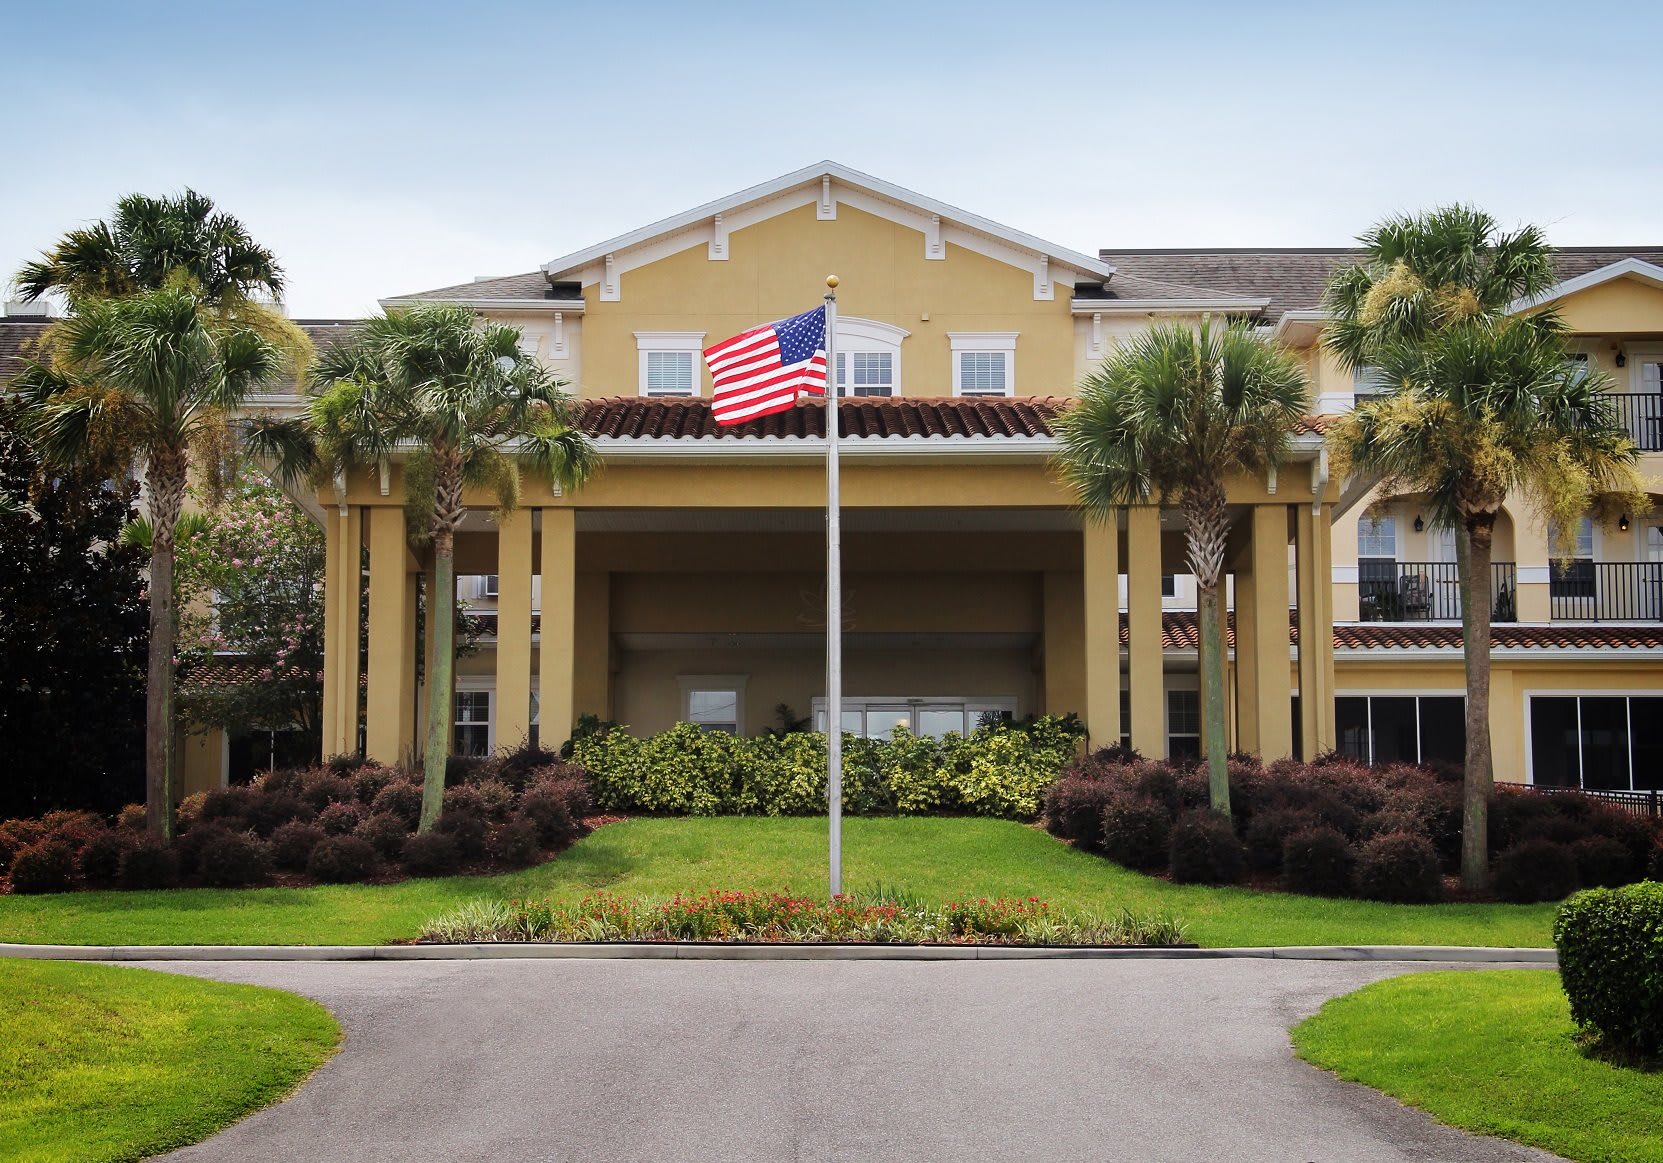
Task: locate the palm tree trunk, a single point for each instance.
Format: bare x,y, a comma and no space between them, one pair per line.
1474,545
448,511
166,481
1207,519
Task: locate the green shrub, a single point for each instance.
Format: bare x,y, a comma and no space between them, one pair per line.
149,863
1318,861
1610,944
1535,869
44,866
1400,867
1137,832
341,860
1204,850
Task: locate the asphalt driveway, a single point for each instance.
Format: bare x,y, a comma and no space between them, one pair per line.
645,1060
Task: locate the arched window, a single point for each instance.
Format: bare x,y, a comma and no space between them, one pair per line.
868,357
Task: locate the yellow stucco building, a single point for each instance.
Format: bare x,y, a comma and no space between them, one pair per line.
686,581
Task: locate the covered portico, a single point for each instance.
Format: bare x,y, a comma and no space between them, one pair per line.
696,560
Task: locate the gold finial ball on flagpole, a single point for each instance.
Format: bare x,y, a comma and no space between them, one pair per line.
831,281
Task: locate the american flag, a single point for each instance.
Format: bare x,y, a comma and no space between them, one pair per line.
760,371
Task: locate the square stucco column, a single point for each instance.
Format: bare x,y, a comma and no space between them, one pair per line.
513,706
1271,669
1146,665
388,721
1247,637
557,632
343,577
1316,629
1101,598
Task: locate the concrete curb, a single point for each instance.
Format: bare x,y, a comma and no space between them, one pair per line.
773,952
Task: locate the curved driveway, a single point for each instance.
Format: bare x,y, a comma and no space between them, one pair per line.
593,1061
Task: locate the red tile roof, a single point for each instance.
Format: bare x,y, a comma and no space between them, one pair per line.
864,417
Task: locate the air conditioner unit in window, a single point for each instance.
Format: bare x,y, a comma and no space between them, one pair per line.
488,586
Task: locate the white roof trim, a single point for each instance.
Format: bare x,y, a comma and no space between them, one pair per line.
567,306
1310,316
812,175
1628,268
1453,654
1176,306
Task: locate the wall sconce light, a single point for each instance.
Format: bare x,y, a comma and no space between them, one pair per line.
1622,522
1419,524
1622,358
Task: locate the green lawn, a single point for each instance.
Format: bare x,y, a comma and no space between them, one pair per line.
104,1063
1490,1052
936,858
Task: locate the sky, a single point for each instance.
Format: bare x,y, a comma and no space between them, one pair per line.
384,148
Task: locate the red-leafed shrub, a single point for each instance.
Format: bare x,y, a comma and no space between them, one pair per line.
292,844
132,818
1319,861
149,863
232,860
341,819
1602,862
1204,850
1073,808
467,830
431,854
403,799
44,866
513,843
1535,870
1267,833
99,860
1137,832
386,833
342,860
16,835
323,787
368,782
1400,867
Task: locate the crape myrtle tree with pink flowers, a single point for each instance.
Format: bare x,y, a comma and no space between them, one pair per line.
250,589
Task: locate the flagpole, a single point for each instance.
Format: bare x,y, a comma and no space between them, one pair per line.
834,603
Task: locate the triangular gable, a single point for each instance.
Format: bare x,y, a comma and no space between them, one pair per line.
1628,268
826,185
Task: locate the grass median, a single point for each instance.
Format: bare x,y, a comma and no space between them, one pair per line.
1491,1052
101,1063
933,858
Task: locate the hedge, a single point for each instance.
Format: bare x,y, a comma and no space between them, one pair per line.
996,770
1610,943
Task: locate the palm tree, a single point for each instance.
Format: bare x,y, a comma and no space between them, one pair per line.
1484,404
149,240
1173,413
470,408
150,378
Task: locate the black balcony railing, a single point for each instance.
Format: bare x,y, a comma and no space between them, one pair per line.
1606,591
1638,803
1642,414
1428,591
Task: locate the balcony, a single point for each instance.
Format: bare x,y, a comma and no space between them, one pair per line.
1429,591
1606,591
1642,414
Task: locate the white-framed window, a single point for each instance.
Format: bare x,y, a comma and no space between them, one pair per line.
1368,380
669,362
474,727
487,586
1602,741
1401,727
868,357
1377,584
1574,582
866,373
1183,723
984,362
875,717
1377,537
715,702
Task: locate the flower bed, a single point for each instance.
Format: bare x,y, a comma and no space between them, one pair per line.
1335,827
343,823
744,917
